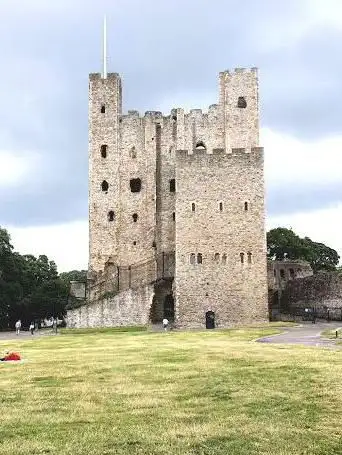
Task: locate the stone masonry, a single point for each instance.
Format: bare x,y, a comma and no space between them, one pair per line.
189,185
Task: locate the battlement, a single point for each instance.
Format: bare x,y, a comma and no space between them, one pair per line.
252,70
98,76
254,152
153,114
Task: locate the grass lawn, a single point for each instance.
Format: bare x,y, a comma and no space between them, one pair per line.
200,393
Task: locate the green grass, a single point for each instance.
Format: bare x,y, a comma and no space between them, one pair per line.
195,393
331,333
108,330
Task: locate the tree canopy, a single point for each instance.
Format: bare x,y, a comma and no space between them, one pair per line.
30,287
283,243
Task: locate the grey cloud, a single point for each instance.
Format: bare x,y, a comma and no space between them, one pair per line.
159,48
285,200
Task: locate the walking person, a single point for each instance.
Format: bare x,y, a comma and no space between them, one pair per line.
18,327
32,328
165,324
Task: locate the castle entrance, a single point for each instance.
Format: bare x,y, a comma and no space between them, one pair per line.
169,308
209,320
163,302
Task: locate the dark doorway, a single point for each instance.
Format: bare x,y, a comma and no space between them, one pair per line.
209,320
169,308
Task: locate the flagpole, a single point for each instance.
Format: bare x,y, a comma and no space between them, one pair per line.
105,48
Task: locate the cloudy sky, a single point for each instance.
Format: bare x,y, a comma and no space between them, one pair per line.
169,54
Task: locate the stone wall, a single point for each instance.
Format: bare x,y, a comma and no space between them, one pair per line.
321,289
215,222
129,308
280,272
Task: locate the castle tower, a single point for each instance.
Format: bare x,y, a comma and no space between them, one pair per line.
105,104
220,229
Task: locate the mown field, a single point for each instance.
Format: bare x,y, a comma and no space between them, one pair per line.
200,393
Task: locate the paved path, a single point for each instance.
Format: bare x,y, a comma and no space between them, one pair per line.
306,333
24,334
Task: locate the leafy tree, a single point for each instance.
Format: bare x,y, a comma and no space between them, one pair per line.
320,256
30,288
284,243
10,286
74,275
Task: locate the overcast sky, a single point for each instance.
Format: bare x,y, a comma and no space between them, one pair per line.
169,54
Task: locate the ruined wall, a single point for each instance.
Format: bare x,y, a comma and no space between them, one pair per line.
280,272
131,307
229,235
321,289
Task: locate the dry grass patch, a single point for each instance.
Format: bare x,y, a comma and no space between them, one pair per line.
159,393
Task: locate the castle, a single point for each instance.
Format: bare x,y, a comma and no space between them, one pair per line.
177,209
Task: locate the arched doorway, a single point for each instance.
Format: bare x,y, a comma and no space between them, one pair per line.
209,320
169,307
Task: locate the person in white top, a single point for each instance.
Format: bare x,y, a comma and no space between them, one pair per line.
32,328
165,324
18,327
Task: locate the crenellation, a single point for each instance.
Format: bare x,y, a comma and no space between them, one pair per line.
153,114
132,113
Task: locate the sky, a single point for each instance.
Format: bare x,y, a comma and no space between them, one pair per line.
169,55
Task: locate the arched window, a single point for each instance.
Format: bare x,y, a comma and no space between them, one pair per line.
193,207
104,186
221,206
249,257
217,257
199,258
174,216
111,215
103,151
246,206
135,217
242,257
224,258
241,102
200,145
135,185
103,109
192,258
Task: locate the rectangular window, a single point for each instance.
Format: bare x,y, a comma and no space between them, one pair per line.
172,185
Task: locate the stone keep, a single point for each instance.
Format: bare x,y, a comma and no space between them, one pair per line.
190,183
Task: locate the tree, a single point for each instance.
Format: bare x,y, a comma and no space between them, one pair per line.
74,275
10,286
30,288
283,243
320,256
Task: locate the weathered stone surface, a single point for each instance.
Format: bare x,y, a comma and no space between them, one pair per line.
128,308
221,230
324,288
280,272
